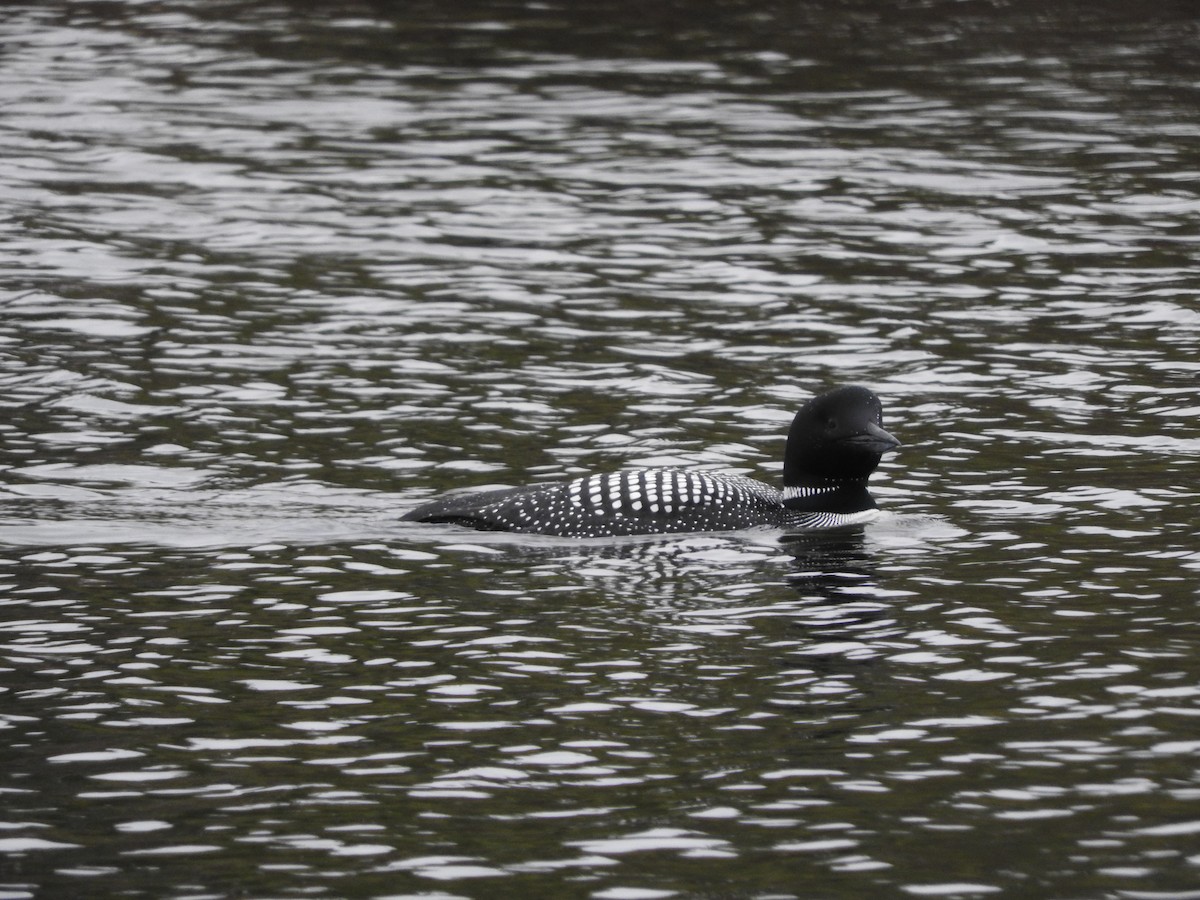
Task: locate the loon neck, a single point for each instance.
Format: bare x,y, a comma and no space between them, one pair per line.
846,496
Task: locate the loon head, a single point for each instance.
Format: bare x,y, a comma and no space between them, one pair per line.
836,438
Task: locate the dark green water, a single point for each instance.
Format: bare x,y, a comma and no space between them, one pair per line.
273,273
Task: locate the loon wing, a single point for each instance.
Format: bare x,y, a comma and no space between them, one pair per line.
635,501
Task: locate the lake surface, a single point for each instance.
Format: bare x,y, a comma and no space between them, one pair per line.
274,273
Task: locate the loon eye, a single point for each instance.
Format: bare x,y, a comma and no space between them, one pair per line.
830,423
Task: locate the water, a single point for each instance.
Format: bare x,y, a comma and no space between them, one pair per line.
274,273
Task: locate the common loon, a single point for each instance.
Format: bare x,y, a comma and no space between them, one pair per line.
833,446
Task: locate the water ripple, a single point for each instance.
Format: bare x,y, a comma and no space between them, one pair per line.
273,275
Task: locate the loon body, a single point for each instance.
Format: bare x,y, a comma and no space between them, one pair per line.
833,446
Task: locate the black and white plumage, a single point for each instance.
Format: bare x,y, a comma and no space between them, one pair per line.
834,444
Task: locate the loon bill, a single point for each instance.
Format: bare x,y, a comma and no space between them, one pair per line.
834,444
